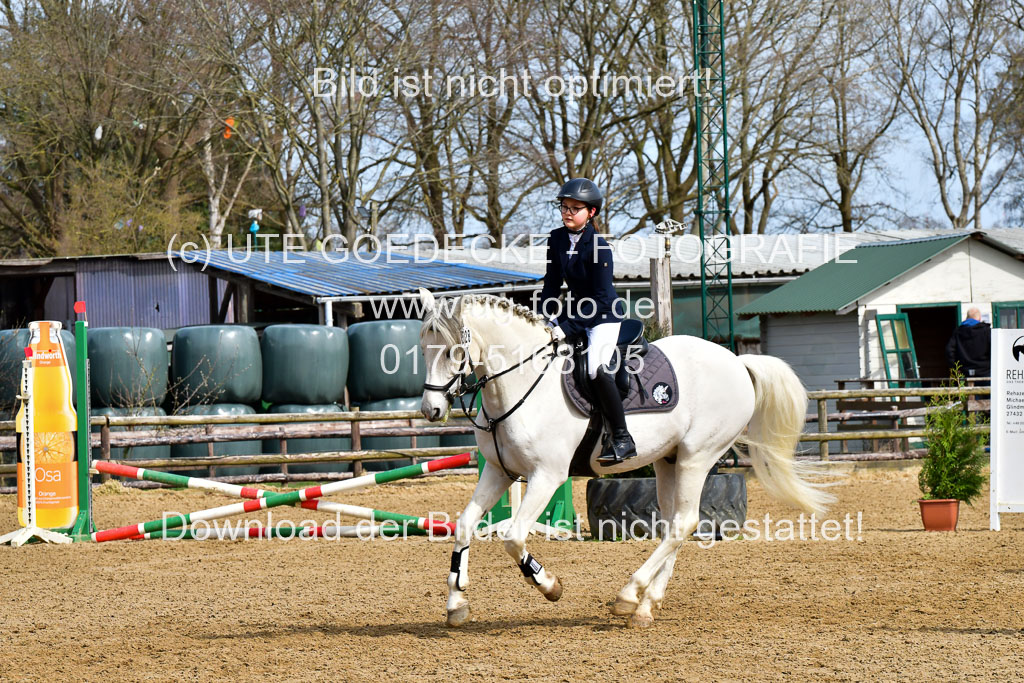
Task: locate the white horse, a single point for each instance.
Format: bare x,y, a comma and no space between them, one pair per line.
720,396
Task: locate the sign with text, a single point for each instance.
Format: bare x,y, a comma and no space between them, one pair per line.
1007,470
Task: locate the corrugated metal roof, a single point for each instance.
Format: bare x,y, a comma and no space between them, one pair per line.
855,274
752,255
340,274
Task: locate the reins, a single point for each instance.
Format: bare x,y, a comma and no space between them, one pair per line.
476,387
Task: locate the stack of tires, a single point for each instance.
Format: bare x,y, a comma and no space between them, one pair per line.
387,373
304,371
128,376
217,370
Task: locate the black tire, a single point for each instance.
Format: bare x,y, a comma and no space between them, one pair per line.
625,508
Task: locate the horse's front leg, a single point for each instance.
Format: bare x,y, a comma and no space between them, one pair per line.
492,484
538,492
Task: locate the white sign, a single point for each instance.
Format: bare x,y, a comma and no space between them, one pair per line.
1007,461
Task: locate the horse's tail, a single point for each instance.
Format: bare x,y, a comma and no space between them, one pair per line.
780,406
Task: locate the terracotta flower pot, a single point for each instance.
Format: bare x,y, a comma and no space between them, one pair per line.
940,514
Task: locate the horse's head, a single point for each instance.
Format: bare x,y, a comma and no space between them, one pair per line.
446,352
460,335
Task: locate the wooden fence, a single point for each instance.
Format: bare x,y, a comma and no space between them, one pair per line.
883,417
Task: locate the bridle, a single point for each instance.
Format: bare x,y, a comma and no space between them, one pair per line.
454,389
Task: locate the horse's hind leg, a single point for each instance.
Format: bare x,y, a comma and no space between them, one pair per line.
493,482
683,522
538,492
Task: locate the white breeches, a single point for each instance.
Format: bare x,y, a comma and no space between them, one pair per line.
600,346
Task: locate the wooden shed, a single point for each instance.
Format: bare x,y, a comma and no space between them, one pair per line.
886,310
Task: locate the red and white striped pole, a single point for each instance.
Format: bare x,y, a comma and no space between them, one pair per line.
271,500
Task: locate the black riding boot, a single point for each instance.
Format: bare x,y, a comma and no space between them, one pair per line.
607,394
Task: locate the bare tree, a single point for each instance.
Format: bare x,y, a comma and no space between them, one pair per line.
583,69
659,129
951,58
773,68
1010,113
848,135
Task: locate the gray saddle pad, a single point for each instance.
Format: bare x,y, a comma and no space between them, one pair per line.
660,387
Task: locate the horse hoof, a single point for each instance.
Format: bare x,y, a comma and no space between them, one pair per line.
640,621
621,608
555,593
458,616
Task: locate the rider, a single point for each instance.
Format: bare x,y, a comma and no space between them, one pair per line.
583,259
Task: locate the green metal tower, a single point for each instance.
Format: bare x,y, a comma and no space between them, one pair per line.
712,171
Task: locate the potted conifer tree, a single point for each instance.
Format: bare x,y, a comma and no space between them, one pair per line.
952,468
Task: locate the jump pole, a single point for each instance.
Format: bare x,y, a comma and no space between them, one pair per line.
302,532
279,499
117,469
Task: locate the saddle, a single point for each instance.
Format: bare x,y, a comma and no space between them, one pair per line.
646,381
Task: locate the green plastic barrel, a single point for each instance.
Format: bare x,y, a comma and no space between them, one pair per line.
199,450
132,452
216,364
12,353
128,366
304,364
385,360
384,443
318,445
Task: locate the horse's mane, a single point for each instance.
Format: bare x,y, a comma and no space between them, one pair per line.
446,316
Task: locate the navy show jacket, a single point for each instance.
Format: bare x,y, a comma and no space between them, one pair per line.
587,272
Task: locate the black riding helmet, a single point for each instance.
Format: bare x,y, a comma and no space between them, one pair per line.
582,190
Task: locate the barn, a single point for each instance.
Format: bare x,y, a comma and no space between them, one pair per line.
886,310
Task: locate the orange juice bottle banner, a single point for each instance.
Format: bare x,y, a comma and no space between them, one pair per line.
54,422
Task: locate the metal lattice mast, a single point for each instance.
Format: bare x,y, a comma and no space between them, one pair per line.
712,171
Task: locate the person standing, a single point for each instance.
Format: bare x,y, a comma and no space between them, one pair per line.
582,259
970,345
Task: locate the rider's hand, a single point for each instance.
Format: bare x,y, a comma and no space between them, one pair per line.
557,334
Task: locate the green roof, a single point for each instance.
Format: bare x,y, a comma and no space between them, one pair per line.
839,283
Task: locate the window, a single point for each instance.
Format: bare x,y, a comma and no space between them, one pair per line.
1008,315
898,356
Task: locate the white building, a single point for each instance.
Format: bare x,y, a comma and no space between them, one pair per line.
826,323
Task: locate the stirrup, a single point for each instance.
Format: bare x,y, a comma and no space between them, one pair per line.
622,448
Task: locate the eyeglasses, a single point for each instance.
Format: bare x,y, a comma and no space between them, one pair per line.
563,208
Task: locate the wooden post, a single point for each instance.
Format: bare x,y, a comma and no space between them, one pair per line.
246,306
823,427
214,298
284,451
105,448
661,292
357,445
412,444
209,451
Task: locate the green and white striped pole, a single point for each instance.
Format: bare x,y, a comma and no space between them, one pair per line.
409,521
279,531
279,499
